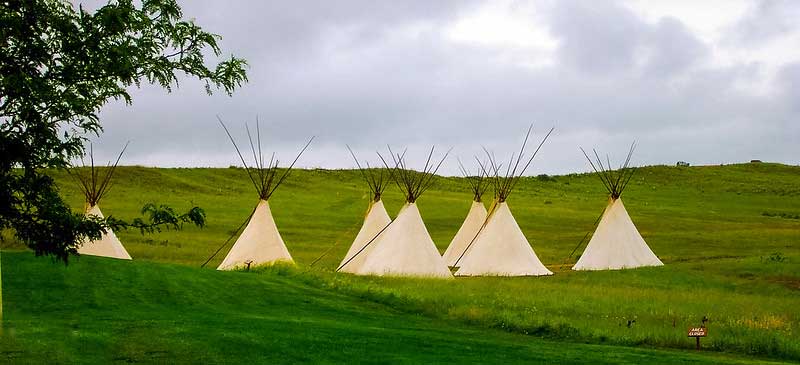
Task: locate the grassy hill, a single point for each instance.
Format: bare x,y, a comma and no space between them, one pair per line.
729,236
102,311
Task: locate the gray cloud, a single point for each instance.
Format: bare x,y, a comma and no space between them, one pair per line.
597,37
789,83
673,48
767,19
369,74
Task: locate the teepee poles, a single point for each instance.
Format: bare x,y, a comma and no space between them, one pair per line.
413,183
376,181
95,186
264,177
614,181
478,184
504,184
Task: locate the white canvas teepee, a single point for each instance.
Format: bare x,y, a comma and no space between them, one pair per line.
500,248
107,246
260,242
475,217
95,185
616,243
376,220
405,248
466,233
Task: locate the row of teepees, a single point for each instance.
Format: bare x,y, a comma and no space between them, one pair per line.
488,243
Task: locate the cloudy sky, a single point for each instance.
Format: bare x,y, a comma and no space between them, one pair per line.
705,82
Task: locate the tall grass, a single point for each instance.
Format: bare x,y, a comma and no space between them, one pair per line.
749,313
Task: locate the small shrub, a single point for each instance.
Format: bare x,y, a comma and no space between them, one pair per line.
784,215
776,257
545,178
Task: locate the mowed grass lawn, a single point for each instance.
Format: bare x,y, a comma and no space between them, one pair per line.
729,236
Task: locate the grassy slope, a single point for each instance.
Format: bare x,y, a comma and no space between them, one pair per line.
706,223
101,310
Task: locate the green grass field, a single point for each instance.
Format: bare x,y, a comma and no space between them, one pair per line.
729,236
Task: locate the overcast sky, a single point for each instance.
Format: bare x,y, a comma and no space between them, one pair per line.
705,82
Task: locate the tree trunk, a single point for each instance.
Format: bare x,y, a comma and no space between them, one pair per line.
1,295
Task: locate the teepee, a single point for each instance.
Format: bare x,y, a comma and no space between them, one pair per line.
500,248
260,242
375,220
475,217
94,187
616,243
405,248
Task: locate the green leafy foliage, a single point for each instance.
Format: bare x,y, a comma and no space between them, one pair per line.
59,64
160,216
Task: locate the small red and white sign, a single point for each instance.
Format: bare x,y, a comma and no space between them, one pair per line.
697,332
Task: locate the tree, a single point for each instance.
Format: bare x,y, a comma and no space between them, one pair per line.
58,66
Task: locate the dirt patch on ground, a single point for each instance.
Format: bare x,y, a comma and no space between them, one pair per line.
790,282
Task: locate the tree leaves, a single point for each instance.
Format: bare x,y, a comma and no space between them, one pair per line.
59,64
